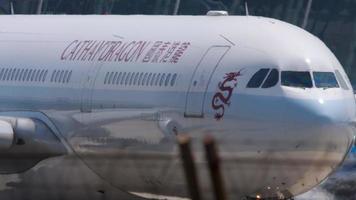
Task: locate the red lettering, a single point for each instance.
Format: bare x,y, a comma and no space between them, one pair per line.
64,54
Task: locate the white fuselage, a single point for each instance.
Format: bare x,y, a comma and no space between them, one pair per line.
116,90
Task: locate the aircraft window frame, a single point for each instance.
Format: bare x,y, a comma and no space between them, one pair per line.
18,78
341,80
20,75
140,79
1,73
162,79
69,76
135,79
106,78
56,79
122,82
40,75
65,76
45,75
33,75
16,74
149,79
29,75
110,78
127,78
118,78
9,74
5,74
133,74
173,80
153,79
258,78
113,82
25,75
158,77
13,74
317,76
272,79
166,82
61,76
52,77
295,85
37,74
143,82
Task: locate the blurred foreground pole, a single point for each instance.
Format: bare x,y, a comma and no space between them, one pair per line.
214,167
189,166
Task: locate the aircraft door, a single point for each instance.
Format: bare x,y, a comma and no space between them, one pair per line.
200,80
88,85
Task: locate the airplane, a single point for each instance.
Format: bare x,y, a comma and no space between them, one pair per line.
90,106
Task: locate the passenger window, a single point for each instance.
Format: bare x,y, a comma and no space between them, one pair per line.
136,78
144,79
106,77
325,80
2,72
110,78
33,75
13,74
173,81
140,79
341,80
118,78
9,75
167,79
127,78
29,75
114,79
157,79
25,75
123,78
52,77
296,79
153,79
20,76
44,76
69,76
148,79
61,76
162,79
36,75
257,78
40,76
132,78
272,79
17,74
65,76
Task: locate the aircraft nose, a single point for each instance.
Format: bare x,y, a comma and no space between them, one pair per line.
321,110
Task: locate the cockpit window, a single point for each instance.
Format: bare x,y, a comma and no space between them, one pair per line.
341,80
325,80
296,79
272,79
258,78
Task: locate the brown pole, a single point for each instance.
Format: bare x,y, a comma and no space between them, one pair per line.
214,167
189,166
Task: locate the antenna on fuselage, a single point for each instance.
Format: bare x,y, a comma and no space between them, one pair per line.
246,9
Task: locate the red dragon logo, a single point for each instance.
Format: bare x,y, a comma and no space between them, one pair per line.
226,87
